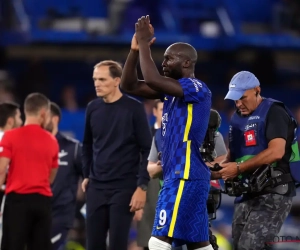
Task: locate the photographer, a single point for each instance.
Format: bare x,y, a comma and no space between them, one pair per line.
261,137
213,150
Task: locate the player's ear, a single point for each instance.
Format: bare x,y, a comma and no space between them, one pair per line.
10,121
186,64
117,81
257,91
55,119
43,113
154,111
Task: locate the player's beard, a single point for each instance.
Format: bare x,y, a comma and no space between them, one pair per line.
49,126
175,73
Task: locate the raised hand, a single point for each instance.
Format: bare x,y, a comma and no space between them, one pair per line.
134,42
144,30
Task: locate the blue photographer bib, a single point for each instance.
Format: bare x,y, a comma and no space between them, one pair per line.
247,137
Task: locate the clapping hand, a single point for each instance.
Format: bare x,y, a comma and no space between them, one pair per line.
144,31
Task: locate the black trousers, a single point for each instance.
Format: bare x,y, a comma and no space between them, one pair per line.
108,211
26,222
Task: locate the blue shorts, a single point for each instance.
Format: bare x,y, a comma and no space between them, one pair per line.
181,211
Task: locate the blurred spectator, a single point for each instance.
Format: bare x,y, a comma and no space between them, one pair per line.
6,96
6,87
116,10
286,16
149,105
68,99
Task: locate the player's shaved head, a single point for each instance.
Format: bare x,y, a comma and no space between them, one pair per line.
185,50
179,60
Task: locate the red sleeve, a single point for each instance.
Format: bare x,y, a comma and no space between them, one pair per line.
55,154
6,145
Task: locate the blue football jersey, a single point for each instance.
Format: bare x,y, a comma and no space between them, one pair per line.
184,125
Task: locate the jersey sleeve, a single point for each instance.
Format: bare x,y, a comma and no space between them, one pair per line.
6,146
55,157
194,91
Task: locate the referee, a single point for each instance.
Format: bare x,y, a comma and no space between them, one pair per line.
32,156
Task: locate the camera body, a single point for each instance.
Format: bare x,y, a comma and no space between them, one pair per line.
207,151
258,181
208,147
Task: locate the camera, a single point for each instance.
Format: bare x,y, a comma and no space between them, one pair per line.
258,181
207,148
207,151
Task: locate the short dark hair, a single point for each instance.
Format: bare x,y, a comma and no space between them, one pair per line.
55,110
7,110
115,68
156,102
35,102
